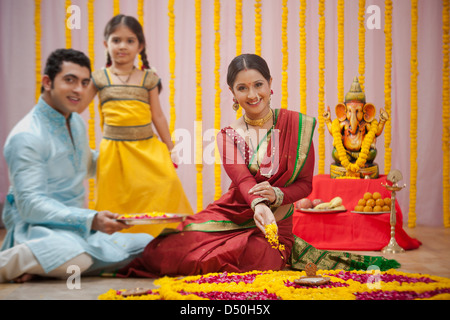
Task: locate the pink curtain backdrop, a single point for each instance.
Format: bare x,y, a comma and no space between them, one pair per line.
17,74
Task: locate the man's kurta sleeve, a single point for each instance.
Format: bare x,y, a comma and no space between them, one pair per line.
26,156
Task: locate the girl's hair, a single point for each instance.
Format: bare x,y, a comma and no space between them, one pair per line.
133,24
247,61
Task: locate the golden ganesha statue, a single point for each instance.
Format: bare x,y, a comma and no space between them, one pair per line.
354,134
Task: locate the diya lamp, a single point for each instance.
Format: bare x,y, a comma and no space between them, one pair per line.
394,176
311,279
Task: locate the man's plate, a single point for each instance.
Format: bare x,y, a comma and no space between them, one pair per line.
139,219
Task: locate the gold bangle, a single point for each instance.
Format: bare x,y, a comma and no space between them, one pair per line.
258,201
279,196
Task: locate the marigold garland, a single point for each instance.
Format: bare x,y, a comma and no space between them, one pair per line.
280,285
340,57
198,103
140,18
68,31
413,120
91,121
217,115
172,61
258,20
37,47
387,83
238,33
353,168
446,112
362,43
302,31
116,7
238,27
321,104
285,59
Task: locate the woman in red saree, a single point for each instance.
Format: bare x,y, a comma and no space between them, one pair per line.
229,234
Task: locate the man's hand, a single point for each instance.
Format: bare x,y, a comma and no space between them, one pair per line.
104,221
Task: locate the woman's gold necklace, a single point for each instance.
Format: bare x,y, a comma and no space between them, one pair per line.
258,122
271,115
129,75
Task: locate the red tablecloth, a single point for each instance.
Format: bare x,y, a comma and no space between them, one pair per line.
347,230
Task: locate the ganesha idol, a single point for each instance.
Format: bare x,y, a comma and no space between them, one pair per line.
354,134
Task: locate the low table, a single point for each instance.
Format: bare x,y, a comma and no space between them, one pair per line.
348,230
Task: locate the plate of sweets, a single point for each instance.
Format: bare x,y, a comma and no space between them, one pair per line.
373,203
318,206
154,217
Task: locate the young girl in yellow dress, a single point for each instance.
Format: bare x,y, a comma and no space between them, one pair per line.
135,170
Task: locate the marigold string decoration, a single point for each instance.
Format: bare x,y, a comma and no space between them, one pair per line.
238,27
340,57
172,61
238,33
413,119
37,47
68,31
116,7
321,104
140,18
217,115
91,120
258,20
446,112
302,31
198,103
361,43
284,51
387,82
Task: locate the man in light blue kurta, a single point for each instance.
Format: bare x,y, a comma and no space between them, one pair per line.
48,159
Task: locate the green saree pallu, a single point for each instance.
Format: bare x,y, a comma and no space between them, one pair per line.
303,253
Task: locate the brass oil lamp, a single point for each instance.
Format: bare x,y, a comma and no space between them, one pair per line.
394,176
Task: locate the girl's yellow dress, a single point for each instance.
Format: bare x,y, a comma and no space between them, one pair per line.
135,173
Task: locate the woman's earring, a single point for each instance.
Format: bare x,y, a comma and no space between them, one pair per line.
235,105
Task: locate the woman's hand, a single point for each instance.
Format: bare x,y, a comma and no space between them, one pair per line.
264,189
263,216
